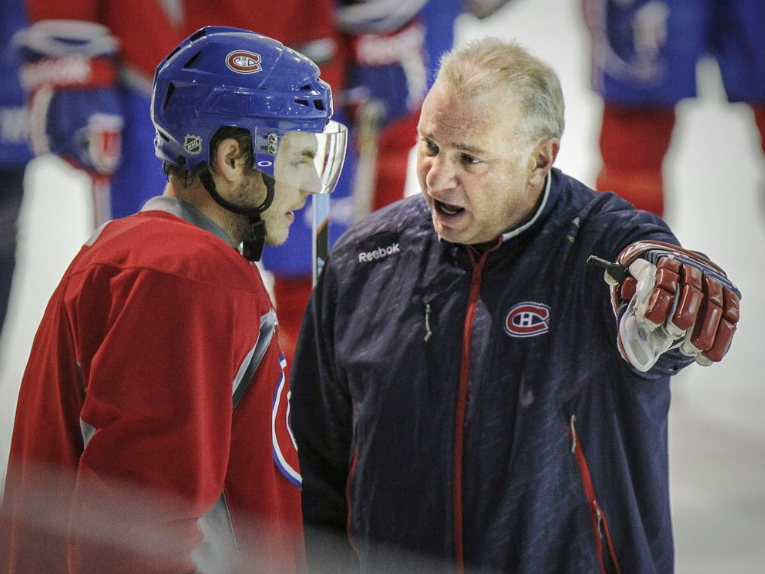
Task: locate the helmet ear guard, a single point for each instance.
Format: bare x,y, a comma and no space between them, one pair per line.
222,76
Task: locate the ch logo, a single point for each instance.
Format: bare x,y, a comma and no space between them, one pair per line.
243,62
528,319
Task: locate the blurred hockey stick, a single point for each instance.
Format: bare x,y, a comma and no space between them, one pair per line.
102,199
368,122
320,225
368,133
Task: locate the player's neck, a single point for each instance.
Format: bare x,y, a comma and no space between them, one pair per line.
235,226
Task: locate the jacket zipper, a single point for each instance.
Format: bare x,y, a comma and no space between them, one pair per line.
349,500
459,433
597,517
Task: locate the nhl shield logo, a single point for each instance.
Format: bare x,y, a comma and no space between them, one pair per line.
528,319
192,144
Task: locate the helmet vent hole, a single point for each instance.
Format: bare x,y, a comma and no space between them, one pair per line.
306,88
192,60
302,102
170,90
197,35
319,105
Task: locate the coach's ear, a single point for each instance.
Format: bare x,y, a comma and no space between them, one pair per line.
542,159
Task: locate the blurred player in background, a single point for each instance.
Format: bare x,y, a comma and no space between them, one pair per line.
644,56
152,429
14,150
393,49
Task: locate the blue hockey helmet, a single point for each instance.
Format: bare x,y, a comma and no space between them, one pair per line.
221,76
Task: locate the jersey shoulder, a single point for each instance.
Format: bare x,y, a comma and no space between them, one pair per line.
161,242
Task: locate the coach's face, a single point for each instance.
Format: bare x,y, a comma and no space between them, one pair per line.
478,172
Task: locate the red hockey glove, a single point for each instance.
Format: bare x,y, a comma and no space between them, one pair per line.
69,73
664,297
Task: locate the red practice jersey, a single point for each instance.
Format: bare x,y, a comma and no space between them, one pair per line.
149,29
152,433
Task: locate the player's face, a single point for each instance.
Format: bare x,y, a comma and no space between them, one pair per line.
473,165
296,177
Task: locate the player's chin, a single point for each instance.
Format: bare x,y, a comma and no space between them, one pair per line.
278,228
277,237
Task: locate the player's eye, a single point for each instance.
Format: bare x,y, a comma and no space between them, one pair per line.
302,161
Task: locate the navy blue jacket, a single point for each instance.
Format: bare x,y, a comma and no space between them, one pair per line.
473,406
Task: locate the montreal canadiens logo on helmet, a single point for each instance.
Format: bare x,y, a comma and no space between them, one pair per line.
528,319
243,62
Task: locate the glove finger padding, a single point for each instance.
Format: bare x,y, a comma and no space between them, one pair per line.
673,297
713,331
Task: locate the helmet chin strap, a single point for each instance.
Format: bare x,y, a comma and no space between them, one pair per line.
252,247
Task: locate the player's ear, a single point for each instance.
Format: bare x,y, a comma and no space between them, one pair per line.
228,161
542,159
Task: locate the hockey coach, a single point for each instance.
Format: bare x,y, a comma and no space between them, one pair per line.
474,392
152,430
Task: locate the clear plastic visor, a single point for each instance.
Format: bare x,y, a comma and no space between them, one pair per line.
308,161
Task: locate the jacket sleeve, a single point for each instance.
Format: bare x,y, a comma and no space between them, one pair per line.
322,424
156,420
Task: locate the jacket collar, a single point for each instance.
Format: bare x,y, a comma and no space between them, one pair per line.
508,235
545,206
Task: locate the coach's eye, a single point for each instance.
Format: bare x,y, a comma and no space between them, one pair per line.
430,147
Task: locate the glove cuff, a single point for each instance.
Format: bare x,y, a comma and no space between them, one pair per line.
68,72
65,38
652,251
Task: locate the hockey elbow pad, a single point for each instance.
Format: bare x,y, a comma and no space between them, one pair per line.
669,297
69,73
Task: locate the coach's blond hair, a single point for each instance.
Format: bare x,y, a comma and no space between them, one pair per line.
491,66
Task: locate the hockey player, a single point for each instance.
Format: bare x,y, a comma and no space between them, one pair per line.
154,397
644,58
466,387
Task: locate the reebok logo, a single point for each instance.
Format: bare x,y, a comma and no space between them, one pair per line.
379,253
